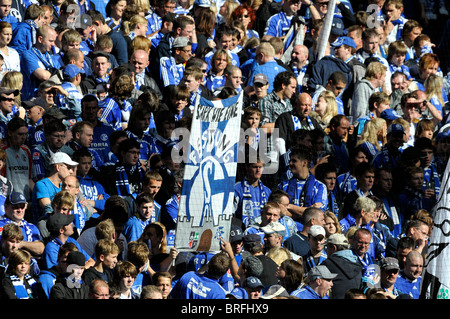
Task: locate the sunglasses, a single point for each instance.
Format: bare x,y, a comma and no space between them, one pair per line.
244,16
9,99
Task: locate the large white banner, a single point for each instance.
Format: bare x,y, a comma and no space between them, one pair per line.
206,202
436,276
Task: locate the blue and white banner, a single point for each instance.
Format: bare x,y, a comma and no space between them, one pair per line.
206,202
436,276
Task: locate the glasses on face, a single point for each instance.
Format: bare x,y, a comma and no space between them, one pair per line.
244,16
9,99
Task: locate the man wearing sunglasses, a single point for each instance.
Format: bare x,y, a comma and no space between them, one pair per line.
7,100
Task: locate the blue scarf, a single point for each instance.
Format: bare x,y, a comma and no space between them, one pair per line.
248,211
19,286
310,264
122,183
34,28
333,204
301,192
431,179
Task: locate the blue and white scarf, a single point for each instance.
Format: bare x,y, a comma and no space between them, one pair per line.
248,211
22,292
122,183
298,124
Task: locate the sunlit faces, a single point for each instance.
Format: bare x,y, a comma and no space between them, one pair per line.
371,45
298,167
85,137
145,210
392,12
321,106
252,120
289,90
6,103
330,180
254,171
153,187
100,66
165,284
191,83
5,36
5,8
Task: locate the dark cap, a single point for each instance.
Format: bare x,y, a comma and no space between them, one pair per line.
252,239
389,263
100,54
8,91
253,282
236,234
35,101
57,221
260,78
54,112
337,27
76,258
16,198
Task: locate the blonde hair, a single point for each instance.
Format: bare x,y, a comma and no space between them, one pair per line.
105,229
132,24
373,69
279,254
14,80
141,43
371,132
433,87
335,220
331,110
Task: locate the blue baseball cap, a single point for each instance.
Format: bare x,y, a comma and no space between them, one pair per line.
238,293
389,114
395,129
253,282
70,71
202,3
344,40
17,198
337,27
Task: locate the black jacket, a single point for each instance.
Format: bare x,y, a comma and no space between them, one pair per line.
348,275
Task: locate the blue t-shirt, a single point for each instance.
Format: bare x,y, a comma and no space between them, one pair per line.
42,189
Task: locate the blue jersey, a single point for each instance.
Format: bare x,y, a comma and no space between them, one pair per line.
306,292
30,231
305,193
197,286
50,254
91,190
249,200
134,228
115,114
100,141
148,144
407,286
